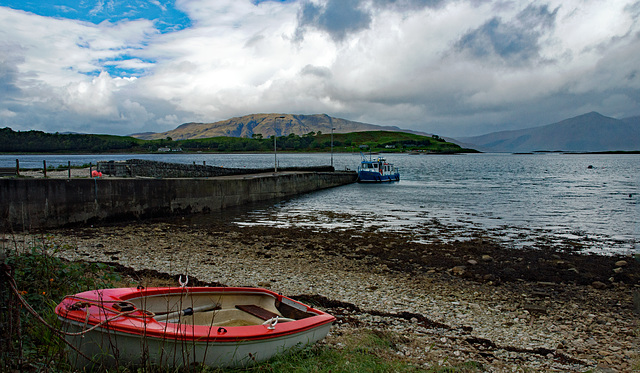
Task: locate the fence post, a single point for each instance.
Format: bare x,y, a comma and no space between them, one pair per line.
17,167
44,167
90,169
69,170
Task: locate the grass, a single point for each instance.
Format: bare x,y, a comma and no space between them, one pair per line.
43,279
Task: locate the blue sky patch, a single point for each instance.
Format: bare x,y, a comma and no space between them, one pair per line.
164,13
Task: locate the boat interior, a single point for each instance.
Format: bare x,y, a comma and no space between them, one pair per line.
220,309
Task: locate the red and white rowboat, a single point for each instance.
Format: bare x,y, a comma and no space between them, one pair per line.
183,326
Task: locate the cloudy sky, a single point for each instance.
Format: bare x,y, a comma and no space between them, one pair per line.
449,67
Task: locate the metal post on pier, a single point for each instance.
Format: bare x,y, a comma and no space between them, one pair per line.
275,145
90,169
332,128
18,167
44,167
69,170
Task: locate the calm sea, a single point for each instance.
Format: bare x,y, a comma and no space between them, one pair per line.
587,202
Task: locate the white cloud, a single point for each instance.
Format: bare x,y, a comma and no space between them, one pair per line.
452,67
169,120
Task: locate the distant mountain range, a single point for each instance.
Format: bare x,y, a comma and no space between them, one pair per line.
266,125
591,132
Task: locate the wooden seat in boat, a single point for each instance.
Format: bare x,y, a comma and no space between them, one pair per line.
257,311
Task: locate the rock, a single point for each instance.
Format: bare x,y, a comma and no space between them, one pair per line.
546,283
620,263
472,262
598,285
535,309
617,270
487,258
458,270
489,277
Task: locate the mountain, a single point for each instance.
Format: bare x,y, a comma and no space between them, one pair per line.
266,124
591,132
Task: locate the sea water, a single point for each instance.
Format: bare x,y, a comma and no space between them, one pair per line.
587,202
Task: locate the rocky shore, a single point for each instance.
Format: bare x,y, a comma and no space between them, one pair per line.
510,310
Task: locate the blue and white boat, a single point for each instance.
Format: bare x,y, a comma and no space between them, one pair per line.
377,170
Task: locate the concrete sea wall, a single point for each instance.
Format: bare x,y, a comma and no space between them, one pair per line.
146,168
27,203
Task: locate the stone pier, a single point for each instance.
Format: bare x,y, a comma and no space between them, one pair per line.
34,203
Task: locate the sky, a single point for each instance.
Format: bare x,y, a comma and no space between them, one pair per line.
449,67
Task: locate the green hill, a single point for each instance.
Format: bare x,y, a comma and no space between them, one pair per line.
267,125
41,142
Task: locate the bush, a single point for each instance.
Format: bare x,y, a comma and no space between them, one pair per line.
42,280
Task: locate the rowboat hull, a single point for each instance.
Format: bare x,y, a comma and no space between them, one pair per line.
109,349
103,331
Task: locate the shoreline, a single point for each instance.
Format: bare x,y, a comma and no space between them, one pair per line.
455,302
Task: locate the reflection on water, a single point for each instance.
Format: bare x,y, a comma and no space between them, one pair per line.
585,202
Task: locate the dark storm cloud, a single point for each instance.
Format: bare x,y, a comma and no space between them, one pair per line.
633,10
321,72
516,42
408,4
8,72
337,18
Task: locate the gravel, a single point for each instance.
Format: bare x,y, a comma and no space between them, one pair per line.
443,315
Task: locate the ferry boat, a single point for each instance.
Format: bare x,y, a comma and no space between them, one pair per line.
377,170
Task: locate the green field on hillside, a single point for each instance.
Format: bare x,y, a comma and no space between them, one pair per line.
376,141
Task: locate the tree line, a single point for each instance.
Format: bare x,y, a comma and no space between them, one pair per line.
42,142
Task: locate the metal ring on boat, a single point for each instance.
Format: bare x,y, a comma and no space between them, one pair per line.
221,330
183,284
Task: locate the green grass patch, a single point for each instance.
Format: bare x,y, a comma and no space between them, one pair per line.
42,280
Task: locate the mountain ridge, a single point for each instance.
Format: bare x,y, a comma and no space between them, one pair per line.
267,125
590,132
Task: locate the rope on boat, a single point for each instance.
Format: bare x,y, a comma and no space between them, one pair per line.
271,323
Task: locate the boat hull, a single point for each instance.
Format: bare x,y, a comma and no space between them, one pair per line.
108,349
376,177
121,327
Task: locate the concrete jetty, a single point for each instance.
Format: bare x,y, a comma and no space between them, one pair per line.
34,203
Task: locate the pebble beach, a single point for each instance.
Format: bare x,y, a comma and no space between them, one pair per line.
447,303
